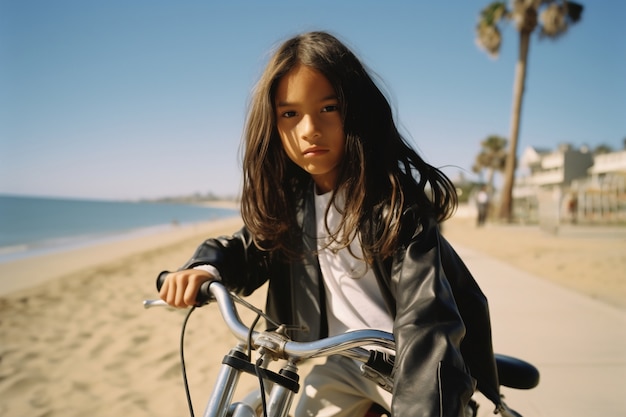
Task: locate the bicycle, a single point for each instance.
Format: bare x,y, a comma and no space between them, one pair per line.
274,345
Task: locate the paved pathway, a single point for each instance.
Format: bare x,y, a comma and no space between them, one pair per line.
578,343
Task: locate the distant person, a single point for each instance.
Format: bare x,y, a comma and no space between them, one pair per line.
572,208
482,204
341,216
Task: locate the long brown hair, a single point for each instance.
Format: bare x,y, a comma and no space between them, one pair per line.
381,173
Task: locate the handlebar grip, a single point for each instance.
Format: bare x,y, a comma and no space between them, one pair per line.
161,279
204,295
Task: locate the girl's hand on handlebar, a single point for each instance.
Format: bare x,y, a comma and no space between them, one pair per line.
180,289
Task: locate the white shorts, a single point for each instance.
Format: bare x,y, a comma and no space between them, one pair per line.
337,389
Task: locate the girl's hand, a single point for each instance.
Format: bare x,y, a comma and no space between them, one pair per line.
181,288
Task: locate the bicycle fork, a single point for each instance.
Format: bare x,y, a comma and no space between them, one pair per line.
284,385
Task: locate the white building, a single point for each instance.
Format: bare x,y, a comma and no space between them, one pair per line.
608,163
540,168
571,183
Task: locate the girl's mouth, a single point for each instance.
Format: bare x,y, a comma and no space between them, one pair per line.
314,151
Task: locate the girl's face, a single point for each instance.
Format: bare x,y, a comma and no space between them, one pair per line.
310,125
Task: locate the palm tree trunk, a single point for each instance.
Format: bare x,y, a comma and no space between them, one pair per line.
490,176
506,207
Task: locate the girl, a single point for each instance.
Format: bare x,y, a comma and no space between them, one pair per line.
341,216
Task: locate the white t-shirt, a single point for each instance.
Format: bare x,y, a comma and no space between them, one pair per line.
353,298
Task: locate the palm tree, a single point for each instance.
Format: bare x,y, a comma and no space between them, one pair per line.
492,158
602,149
555,16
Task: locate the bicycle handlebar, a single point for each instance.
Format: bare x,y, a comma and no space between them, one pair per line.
512,372
348,344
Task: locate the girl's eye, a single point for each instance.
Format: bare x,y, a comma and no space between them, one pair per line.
289,114
330,108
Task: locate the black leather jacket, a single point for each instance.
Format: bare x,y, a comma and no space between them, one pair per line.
441,319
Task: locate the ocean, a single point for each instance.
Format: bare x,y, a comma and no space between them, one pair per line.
34,225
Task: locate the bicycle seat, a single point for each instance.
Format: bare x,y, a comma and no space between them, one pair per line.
516,373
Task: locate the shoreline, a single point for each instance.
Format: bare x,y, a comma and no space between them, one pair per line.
28,237
25,272
70,243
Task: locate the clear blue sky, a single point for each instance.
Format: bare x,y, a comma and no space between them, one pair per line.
146,98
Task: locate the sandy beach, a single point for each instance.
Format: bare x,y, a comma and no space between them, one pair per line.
75,339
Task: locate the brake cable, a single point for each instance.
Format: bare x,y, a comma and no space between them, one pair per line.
182,361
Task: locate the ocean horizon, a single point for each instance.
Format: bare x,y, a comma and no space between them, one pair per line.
32,225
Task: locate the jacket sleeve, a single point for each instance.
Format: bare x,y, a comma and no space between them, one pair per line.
430,374
477,348
242,266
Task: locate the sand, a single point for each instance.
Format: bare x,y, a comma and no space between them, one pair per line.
75,339
587,259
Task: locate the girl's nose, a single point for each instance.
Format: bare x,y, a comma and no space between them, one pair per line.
309,127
